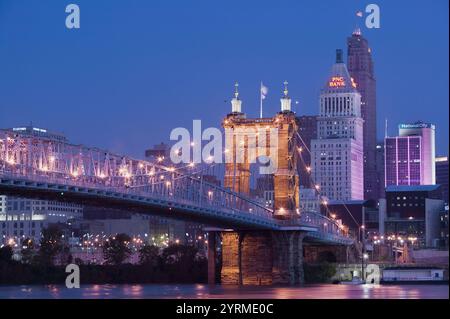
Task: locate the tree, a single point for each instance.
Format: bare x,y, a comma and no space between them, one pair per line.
6,254
28,251
183,263
65,257
149,255
51,244
78,261
179,254
116,250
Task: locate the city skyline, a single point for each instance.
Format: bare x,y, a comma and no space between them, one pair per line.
130,94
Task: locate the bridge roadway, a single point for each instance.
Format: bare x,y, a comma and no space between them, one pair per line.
200,204
38,165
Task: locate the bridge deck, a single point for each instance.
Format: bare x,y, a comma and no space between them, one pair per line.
162,206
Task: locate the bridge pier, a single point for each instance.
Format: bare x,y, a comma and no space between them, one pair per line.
212,252
259,258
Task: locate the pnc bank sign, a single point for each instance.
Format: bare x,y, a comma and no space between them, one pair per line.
339,81
336,81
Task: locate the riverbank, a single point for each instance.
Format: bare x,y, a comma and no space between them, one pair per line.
16,273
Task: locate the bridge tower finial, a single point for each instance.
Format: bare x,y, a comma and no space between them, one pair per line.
285,100
236,103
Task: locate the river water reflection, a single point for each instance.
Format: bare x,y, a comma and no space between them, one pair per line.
220,292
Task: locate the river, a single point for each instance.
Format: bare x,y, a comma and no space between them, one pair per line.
227,292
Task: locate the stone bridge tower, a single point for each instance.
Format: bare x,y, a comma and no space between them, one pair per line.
261,257
247,139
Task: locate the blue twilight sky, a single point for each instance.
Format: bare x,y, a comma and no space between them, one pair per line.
137,69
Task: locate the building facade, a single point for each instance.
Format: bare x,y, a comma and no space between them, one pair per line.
307,129
337,153
442,175
427,132
413,213
310,201
380,169
409,157
361,68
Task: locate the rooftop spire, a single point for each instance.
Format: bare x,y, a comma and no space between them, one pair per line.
236,92
286,88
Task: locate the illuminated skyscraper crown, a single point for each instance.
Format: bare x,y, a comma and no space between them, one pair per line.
339,80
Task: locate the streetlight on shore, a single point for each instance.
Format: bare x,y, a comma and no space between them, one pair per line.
363,250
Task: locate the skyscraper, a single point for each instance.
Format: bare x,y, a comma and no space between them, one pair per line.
360,67
402,161
337,153
409,158
427,132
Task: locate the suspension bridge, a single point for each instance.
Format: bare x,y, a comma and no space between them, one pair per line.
260,244
36,166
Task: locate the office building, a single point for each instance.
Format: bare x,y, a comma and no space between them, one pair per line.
410,157
361,68
442,175
337,153
412,213
307,129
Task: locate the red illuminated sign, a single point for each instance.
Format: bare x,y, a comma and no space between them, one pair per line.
336,81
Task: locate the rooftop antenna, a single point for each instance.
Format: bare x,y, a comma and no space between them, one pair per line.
357,31
385,127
